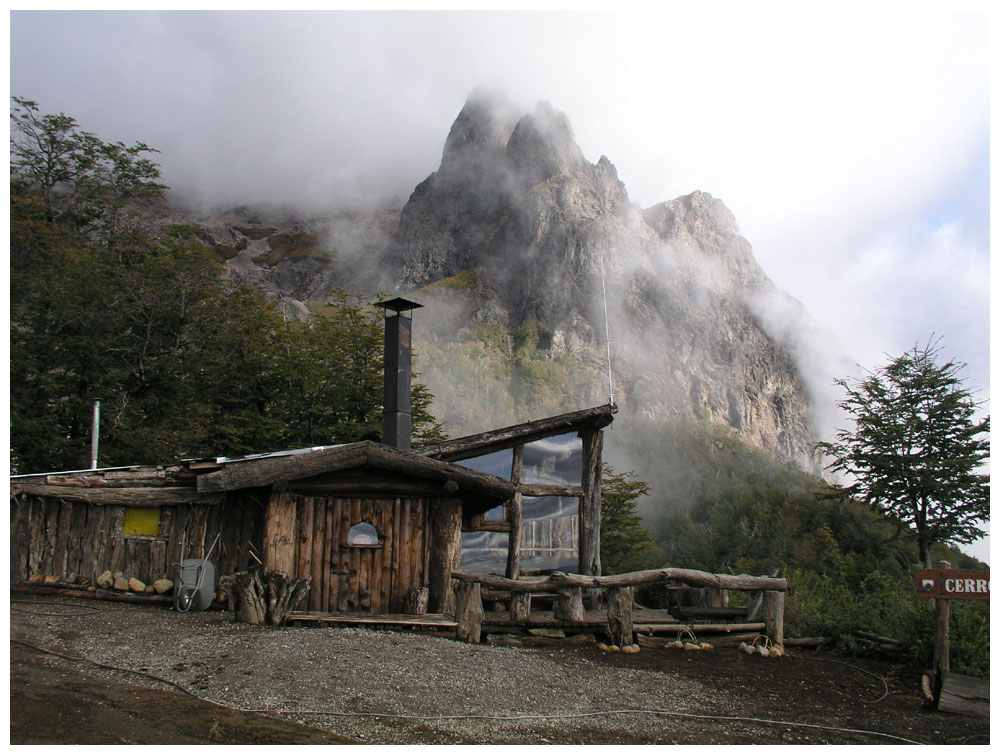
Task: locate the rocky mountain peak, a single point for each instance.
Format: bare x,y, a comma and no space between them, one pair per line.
543,145
517,239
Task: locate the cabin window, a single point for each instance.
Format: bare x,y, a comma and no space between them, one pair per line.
141,522
362,534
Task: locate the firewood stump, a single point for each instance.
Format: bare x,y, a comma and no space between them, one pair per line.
259,596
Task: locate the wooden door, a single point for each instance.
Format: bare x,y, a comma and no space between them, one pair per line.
351,574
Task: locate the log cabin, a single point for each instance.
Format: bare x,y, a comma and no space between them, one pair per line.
370,523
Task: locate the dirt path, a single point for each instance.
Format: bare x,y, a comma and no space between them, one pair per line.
335,680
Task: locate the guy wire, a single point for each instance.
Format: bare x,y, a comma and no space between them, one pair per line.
607,335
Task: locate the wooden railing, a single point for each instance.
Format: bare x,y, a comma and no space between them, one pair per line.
568,607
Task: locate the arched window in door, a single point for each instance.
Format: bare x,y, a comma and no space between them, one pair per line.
362,533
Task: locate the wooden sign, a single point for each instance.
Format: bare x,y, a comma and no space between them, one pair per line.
953,584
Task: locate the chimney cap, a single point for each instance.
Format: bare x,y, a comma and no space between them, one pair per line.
398,304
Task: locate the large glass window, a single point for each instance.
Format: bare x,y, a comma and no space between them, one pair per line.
550,526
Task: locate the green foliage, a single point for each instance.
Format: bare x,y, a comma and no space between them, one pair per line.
625,543
715,504
185,365
916,451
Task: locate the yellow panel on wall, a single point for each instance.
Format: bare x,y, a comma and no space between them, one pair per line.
144,521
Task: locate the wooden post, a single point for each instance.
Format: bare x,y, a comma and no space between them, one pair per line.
514,512
590,510
716,596
620,616
942,635
569,604
280,534
520,606
469,611
445,546
773,614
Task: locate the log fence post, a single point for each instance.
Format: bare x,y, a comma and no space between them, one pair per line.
569,604
620,600
469,611
520,606
773,614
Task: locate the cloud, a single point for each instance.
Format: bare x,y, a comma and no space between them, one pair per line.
850,144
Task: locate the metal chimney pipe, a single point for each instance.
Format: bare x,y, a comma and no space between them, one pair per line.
397,374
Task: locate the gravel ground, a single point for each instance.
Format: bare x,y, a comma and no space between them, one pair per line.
359,671
433,690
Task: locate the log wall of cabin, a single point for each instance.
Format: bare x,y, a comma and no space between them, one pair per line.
307,536
77,541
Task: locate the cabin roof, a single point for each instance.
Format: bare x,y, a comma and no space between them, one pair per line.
454,480
318,470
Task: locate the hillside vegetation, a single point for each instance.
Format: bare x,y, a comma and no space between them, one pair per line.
719,505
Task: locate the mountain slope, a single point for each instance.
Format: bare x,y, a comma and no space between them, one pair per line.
516,245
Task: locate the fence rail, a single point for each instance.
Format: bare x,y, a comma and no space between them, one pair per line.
569,588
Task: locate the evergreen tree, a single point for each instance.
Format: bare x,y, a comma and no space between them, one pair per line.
917,451
105,306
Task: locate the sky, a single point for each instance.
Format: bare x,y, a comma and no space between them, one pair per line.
851,141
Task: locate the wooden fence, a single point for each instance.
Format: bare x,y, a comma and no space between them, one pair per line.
569,589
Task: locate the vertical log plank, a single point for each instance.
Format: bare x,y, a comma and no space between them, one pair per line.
445,537
590,510
515,514
335,556
116,525
355,565
280,534
20,538
319,570
303,565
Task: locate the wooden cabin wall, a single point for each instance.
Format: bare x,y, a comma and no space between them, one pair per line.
77,541
345,578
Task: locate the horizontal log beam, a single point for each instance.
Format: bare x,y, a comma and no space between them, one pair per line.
698,629
498,440
366,455
108,496
694,577
536,490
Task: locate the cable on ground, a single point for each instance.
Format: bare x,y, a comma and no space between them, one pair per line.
472,716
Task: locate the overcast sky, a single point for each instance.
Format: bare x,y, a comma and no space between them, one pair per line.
851,145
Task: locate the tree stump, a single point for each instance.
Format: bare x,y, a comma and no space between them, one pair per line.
416,601
264,597
620,616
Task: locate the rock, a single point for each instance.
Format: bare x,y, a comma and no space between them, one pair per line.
91,588
163,586
149,590
52,579
136,585
36,579
105,580
121,584
546,632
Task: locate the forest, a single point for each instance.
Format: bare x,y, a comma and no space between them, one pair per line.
111,301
